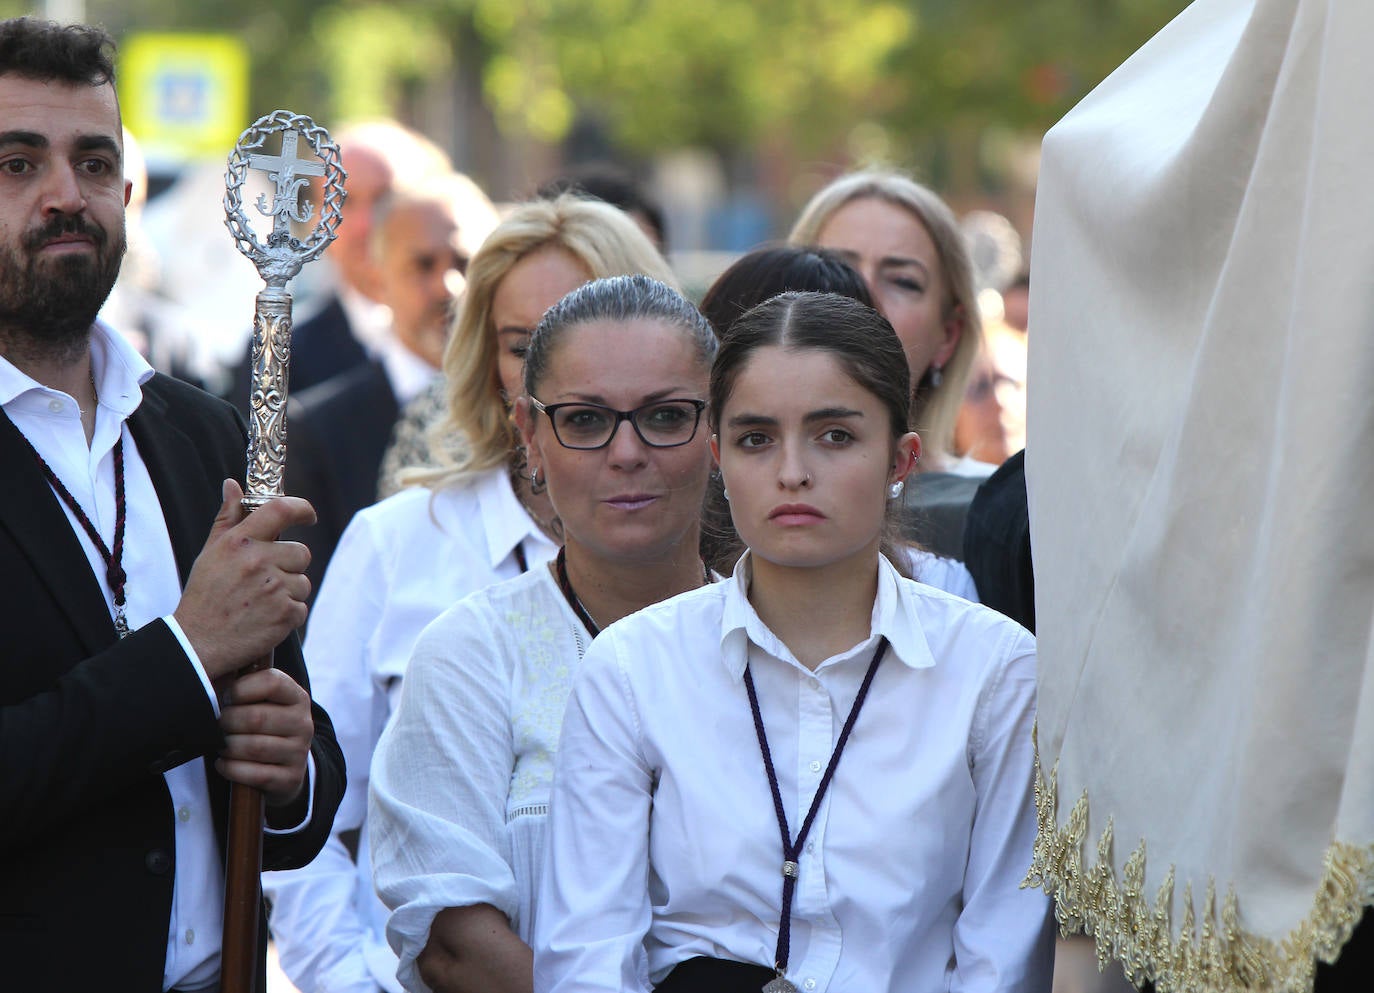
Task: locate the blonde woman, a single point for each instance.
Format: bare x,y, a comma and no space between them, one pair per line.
471,522
905,242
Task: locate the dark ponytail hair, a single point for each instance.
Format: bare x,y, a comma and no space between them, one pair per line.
615,298
766,272
861,341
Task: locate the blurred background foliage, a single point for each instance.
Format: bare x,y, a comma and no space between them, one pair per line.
782,92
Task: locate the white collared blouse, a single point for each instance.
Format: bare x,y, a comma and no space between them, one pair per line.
399,565
459,796
664,844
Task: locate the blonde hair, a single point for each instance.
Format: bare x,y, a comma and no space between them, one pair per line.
934,408
600,237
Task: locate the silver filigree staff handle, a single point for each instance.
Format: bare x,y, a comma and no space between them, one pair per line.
278,262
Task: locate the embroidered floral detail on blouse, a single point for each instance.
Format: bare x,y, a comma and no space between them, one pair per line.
541,684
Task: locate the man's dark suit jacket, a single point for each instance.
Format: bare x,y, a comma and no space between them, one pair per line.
89,723
997,547
337,433
322,347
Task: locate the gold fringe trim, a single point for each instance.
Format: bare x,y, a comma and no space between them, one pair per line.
1210,954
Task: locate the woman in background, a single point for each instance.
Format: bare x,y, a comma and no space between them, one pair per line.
402,562
905,242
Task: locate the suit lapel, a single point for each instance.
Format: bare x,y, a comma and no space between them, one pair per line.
176,469
31,513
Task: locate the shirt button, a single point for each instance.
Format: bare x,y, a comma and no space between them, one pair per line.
184,814
815,767
55,406
810,984
810,847
158,862
190,936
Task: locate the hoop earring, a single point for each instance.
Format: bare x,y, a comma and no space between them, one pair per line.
537,486
725,493
895,490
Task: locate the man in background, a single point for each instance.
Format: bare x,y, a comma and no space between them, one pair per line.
352,323
421,242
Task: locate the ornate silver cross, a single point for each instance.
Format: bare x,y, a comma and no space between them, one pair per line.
277,262
290,174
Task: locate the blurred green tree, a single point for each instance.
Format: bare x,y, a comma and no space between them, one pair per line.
666,72
838,78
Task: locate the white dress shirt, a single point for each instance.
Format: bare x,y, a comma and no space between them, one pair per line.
51,421
946,574
406,372
398,566
369,320
460,782
664,844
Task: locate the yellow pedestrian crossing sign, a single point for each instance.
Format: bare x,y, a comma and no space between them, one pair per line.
184,96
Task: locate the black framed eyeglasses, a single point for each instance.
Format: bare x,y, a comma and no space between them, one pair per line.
586,427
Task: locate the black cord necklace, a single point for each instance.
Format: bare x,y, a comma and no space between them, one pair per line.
561,568
569,594
791,850
113,557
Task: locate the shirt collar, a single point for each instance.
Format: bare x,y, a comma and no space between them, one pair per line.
504,518
407,373
117,368
369,320
894,617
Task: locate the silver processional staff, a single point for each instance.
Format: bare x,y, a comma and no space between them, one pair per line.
277,261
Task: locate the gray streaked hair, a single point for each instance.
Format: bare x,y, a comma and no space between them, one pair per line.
616,298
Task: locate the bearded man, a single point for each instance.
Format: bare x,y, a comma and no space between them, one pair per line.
127,612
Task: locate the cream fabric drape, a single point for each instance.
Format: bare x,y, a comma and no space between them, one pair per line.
1201,473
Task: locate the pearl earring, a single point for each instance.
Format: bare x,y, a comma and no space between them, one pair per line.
895,490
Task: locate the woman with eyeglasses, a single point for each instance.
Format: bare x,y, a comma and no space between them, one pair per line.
615,387
474,520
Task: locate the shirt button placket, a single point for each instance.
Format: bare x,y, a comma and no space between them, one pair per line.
814,742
